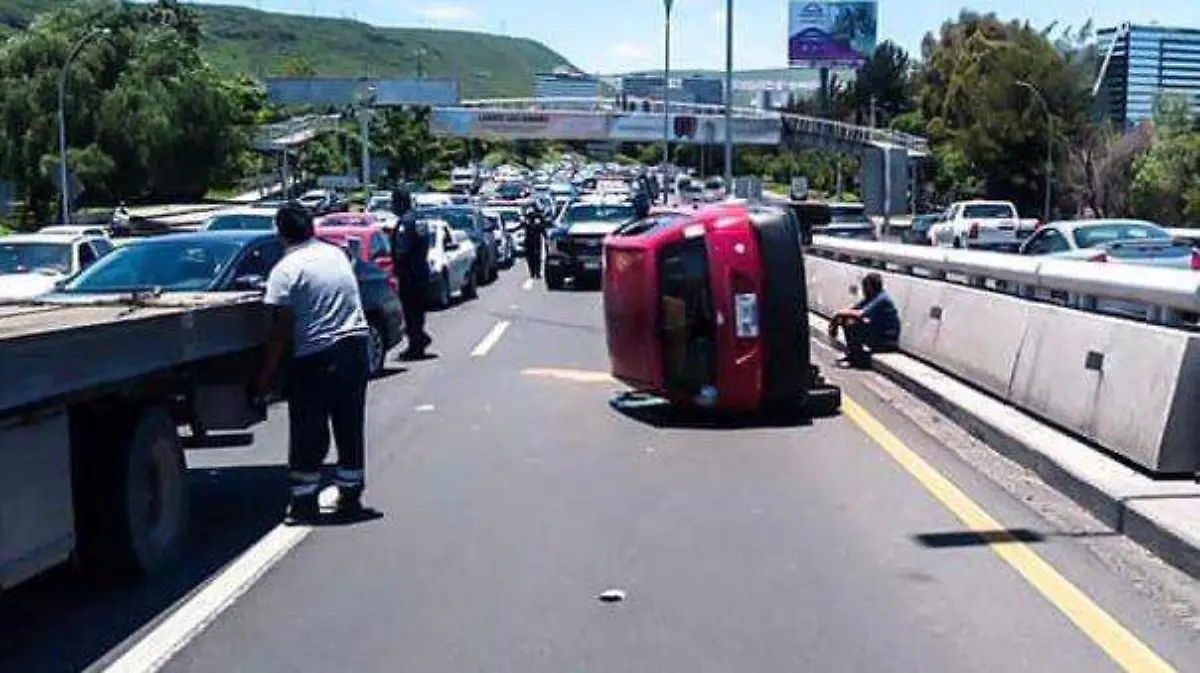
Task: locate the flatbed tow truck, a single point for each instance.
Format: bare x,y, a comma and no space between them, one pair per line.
94,393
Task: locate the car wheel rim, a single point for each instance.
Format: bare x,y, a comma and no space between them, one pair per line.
375,349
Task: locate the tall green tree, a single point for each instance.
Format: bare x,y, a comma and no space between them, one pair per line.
884,82
146,117
1166,185
988,131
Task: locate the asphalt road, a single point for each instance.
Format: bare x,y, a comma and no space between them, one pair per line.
512,494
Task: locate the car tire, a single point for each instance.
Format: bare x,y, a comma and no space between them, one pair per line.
470,288
376,348
958,244
554,281
132,492
442,298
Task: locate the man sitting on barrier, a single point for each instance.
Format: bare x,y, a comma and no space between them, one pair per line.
872,325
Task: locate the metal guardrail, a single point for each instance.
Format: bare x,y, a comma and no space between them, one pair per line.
1157,295
862,135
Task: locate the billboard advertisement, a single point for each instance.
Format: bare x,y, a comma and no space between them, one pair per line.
831,33
699,129
512,125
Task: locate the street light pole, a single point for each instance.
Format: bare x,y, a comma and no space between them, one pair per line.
62,119
1049,145
728,96
666,152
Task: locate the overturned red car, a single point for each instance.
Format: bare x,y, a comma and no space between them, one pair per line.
708,308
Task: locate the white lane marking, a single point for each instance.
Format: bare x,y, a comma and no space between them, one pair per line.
425,408
528,284
156,649
489,342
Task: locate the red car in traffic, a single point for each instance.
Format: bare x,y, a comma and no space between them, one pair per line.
367,242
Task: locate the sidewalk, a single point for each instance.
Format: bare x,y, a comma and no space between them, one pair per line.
1159,514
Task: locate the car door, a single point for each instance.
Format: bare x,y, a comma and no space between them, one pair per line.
461,257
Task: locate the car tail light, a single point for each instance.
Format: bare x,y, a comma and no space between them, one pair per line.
1195,259
1098,257
973,232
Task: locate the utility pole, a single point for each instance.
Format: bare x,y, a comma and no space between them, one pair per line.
666,151
1049,146
728,96
63,175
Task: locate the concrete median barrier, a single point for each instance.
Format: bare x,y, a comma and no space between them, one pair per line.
1131,388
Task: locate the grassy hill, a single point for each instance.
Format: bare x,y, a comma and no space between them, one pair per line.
239,39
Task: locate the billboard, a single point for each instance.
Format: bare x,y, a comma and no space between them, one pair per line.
700,129
510,125
831,33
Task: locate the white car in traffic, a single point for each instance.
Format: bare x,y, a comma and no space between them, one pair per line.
451,262
379,204
978,224
32,265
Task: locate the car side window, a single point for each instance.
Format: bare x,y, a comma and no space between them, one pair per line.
259,260
101,247
1056,242
1045,242
86,255
379,245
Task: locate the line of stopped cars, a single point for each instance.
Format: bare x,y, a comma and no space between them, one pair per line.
996,226
235,249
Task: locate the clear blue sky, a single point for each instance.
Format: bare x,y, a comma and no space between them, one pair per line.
612,36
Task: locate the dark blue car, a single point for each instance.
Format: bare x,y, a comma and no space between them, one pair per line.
225,261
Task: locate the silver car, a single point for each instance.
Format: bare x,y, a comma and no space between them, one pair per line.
1118,241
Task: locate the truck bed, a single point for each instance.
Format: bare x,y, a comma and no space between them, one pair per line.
55,351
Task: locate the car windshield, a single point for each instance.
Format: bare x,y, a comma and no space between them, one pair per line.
1109,232
27,257
989,210
615,213
510,191
240,222
170,265
381,203
848,215
459,219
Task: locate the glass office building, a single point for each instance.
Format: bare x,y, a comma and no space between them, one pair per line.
1141,64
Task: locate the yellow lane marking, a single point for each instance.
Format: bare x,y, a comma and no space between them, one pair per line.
1123,647
575,375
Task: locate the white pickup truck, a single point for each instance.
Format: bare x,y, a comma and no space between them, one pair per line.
977,224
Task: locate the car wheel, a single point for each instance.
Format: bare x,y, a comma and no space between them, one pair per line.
442,298
554,281
471,288
958,244
376,348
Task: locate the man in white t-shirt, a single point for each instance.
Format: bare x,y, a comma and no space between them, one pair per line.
316,307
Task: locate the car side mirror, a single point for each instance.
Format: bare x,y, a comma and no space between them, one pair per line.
250,282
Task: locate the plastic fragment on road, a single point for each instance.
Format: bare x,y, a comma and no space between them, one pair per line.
612,596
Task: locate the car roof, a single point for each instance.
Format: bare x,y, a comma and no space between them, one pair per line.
349,229
237,236
45,238
74,230
247,210
1071,225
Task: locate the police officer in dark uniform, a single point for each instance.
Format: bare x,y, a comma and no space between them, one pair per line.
536,223
410,254
641,206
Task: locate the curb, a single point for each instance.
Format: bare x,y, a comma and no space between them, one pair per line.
1132,516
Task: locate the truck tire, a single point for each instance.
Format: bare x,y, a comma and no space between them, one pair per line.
133,510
